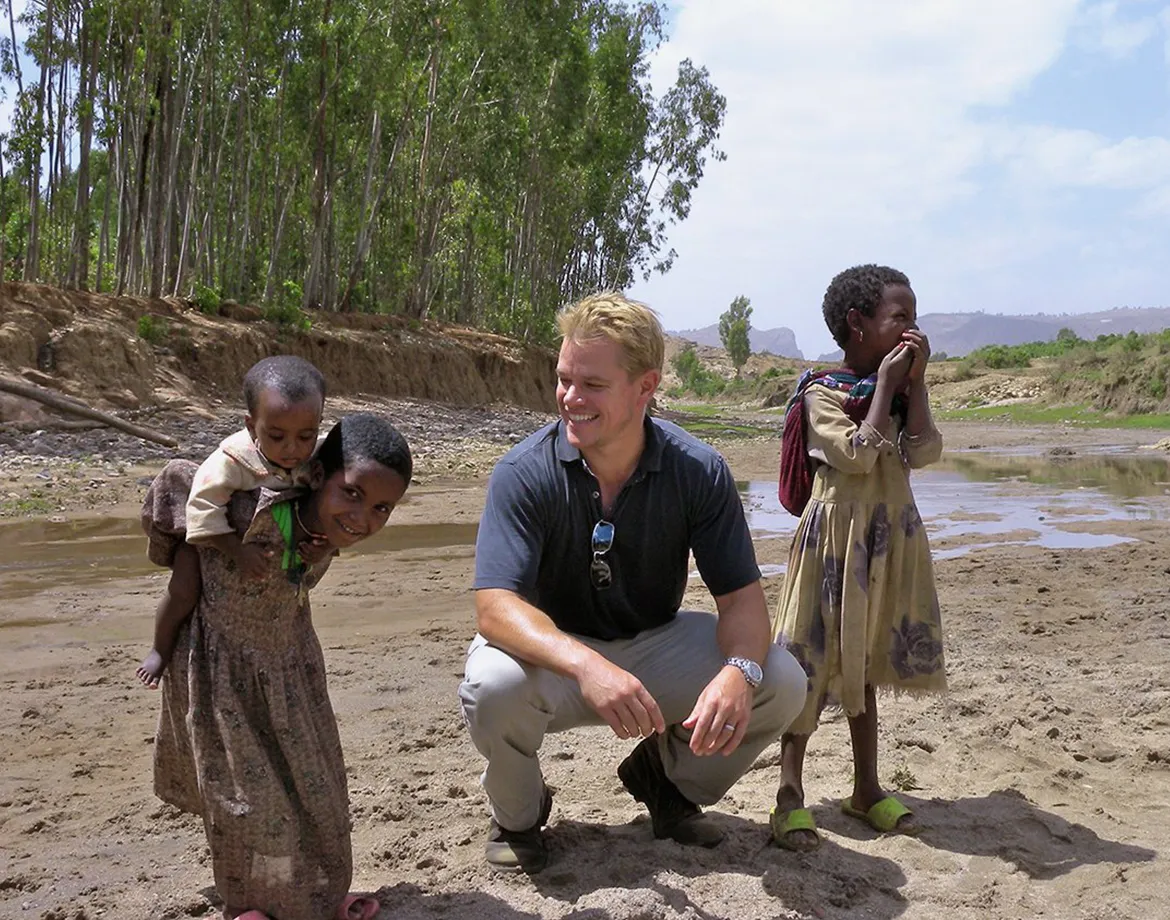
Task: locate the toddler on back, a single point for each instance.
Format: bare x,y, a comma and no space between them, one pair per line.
285,398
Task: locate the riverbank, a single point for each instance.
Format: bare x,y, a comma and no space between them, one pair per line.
1041,778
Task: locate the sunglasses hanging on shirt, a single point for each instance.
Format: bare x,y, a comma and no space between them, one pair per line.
600,573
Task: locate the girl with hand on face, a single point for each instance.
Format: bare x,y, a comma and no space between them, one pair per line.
859,608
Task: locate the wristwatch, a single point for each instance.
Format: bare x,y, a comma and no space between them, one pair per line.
752,672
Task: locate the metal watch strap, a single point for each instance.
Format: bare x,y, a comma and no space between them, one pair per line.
746,668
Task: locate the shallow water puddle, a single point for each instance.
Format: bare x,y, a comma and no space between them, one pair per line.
1023,500
46,556
970,500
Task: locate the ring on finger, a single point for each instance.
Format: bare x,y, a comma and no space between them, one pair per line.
729,727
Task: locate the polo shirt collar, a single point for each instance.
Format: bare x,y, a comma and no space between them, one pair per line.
649,462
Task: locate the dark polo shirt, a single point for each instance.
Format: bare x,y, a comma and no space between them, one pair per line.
542,502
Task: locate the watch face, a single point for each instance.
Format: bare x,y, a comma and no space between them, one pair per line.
755,673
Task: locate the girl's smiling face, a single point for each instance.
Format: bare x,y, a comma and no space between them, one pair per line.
354,502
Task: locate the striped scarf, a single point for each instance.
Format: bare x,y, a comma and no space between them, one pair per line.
796,467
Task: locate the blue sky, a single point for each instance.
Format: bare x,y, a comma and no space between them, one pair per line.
1009,155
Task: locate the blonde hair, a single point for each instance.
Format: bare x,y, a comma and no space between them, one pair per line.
632,325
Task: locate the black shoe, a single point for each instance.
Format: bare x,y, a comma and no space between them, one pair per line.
672,814
519,851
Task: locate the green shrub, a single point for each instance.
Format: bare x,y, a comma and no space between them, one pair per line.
151,329
696,378
206,299
286,312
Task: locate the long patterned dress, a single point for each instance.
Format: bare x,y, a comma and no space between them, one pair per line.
247,738
859,604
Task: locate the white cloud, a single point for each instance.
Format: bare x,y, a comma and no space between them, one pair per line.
1102,27
859,131
1154,205
1086,159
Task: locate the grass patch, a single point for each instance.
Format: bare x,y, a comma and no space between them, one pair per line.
33,503
706,428
904,780
1031,414
701,410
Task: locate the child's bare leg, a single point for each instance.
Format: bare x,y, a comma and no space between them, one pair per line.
177,603
790,795
867,788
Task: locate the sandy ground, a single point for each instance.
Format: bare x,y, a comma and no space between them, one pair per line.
1043,777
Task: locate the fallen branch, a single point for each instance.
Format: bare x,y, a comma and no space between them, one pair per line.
53,425
74,407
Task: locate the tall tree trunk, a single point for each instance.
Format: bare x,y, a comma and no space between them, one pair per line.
193,180
111,150
3,220
32,253
144,156
416,303
314,290
58,150
164,106
366,231
277,237
86,86
19,94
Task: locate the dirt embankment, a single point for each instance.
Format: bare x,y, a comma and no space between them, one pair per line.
92,347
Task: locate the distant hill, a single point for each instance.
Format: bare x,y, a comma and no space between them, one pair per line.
781,341
956,334
959,333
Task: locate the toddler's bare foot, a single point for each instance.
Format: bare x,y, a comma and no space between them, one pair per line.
151,670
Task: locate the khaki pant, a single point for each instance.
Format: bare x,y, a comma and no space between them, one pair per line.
509,705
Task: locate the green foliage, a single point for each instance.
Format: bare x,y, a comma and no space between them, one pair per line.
152,329
997,357
474,161
1126,373
35,502
286,312
1032,414
904,780
734,331
696,378
207,299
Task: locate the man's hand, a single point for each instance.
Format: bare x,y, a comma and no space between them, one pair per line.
619,698
721,714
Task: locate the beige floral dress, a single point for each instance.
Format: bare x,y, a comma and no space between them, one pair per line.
247,738
859,604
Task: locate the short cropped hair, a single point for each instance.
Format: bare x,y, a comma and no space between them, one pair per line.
293,378
365,436
858,288
632,325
